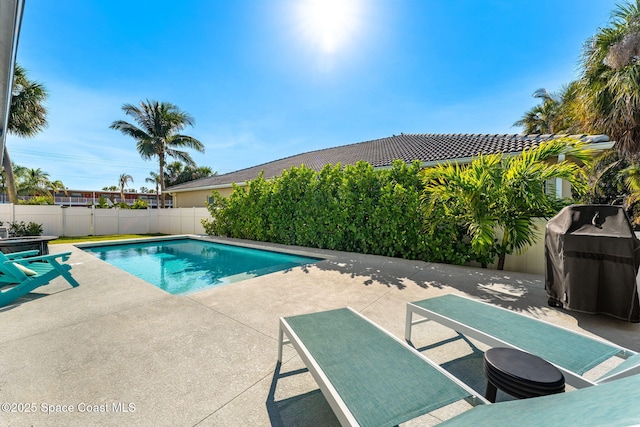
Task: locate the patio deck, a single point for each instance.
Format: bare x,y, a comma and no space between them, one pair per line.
118,351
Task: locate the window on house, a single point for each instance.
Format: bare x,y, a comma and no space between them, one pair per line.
550,187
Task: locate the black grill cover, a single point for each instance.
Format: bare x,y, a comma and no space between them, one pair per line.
592,258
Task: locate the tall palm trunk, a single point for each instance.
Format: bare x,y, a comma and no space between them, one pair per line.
162,179
502,255
10,179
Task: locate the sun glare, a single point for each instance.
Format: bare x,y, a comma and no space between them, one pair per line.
328,23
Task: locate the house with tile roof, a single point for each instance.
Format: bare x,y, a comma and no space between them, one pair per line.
429,149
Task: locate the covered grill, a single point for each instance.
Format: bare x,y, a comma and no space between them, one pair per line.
592,258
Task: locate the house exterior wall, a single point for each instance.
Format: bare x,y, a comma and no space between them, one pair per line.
533,259
197,198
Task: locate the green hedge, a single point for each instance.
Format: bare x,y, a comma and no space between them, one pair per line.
356,209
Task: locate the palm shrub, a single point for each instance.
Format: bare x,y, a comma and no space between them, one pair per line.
614,180
140,204
102,203
38,200
19,229
503,194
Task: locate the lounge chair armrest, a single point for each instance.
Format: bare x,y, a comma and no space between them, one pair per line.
51,257
22,254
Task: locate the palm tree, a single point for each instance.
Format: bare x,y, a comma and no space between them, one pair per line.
55,186
158,134
193,173
177,173
610,79
606,179
172,172
36,182
124,180
27,117
154,178
503,192
540,119
560,112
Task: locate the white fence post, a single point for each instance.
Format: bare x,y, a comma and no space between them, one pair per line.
63,220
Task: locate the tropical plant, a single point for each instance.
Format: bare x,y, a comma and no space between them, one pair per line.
178,173
154,179
606,179
500,193
38,200
102,203
191,173
610,81
157,135
55,186
139,204
19,229
123,181
614,180
35,182
27,117
632,177
541,118
558,113
110,188
172,172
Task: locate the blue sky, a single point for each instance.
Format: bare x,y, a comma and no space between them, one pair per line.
267,79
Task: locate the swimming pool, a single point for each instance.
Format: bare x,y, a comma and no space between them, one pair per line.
184,266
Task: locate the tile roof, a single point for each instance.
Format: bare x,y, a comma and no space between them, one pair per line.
427,148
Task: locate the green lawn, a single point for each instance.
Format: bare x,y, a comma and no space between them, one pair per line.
80,239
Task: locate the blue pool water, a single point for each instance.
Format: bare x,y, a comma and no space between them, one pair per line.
184,266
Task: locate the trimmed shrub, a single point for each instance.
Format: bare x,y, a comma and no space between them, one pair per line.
19,229
355,209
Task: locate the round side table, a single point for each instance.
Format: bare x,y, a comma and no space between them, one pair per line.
520,374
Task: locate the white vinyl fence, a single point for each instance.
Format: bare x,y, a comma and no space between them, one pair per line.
83,221
89,221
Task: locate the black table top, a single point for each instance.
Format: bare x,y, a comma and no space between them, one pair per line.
522,367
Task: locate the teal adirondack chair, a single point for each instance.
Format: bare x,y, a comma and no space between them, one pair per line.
21,273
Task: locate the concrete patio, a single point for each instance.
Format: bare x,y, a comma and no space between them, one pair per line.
119,351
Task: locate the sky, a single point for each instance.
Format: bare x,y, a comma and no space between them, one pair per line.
268,79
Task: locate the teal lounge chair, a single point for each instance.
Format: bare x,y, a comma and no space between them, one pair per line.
571,352
368,376
21,273
614,404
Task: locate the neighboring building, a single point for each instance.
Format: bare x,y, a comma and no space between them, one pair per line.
90,197
429,149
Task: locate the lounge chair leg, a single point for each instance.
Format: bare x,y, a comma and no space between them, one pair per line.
280,344
407,326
